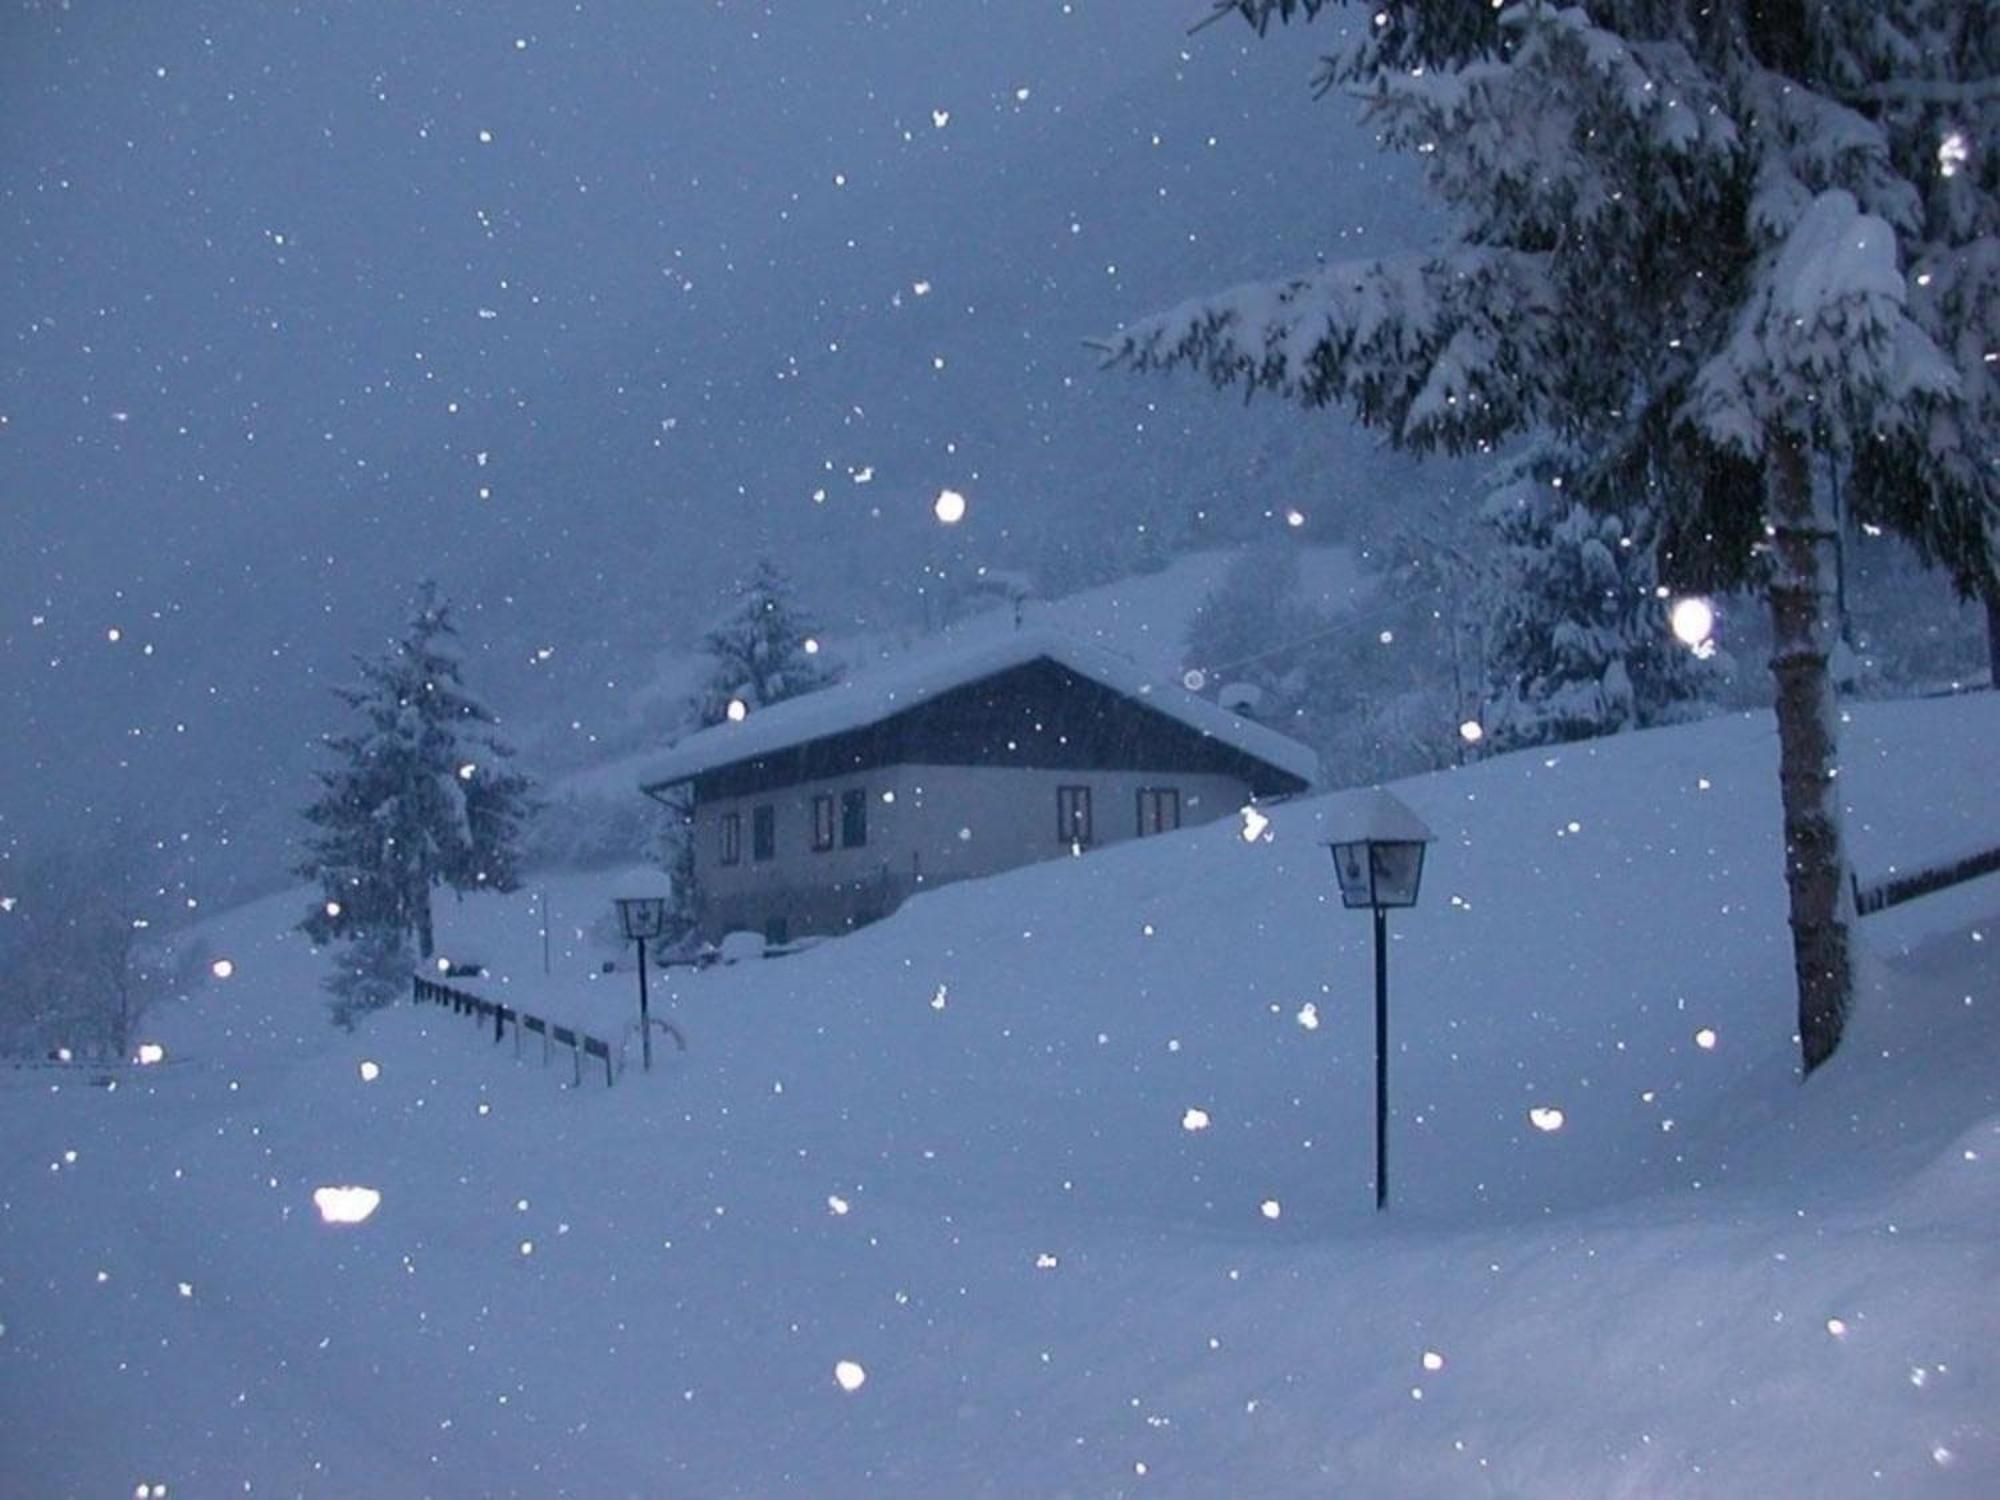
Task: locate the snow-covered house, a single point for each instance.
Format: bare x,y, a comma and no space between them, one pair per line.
965,758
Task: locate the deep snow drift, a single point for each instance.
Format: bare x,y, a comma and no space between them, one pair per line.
1067,1173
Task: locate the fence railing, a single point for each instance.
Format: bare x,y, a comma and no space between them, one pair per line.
1907,887
581,1044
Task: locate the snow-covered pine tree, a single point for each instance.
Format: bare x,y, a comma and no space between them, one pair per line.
1578,642
1676,246
421,795
764,650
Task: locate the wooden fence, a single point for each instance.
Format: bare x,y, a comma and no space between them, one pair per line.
1907,887
581,1044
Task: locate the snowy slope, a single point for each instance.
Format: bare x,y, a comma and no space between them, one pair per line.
954,1149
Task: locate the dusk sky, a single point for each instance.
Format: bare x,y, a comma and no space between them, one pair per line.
576,308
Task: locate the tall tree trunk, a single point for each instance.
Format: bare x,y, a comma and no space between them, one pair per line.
1815,852
1993,635
426,939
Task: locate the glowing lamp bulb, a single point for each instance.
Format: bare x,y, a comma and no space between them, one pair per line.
1693,621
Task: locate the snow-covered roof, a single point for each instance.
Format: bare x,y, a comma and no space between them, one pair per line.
1371,813
878,693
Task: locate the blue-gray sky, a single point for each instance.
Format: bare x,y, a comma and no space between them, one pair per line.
577,307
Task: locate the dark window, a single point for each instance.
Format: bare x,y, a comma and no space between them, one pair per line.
731,829
853,818
1073,814
763,831
823,820
1159,810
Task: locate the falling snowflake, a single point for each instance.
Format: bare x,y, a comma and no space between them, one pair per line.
222,968
1545,1118
1254,825
1953,153
850,1375
949,507
1195,1119
1308,1017
1270,1208
346,1205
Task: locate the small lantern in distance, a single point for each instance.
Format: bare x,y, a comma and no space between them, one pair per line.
643,918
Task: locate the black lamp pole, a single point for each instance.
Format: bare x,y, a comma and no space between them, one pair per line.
645,1013
1381,1057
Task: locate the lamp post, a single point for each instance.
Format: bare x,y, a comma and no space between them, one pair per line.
641,919
1378,855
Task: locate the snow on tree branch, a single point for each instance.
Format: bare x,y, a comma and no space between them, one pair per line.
1440,349
1823,338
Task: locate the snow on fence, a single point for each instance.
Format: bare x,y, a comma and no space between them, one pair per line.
581,1044
1900,888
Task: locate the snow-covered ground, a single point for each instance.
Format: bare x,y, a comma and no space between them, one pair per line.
1070,1170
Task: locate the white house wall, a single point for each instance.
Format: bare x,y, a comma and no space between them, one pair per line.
926,825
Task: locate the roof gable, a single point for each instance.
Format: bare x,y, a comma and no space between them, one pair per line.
872,717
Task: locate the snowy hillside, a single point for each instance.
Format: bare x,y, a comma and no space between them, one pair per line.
1067,1175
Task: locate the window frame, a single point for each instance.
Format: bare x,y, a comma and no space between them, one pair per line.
729,842
763,833
854,818
1071,800
822,822
1161,798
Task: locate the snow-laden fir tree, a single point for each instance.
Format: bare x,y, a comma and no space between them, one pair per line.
421,795
763,651
1578,641
1679,241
